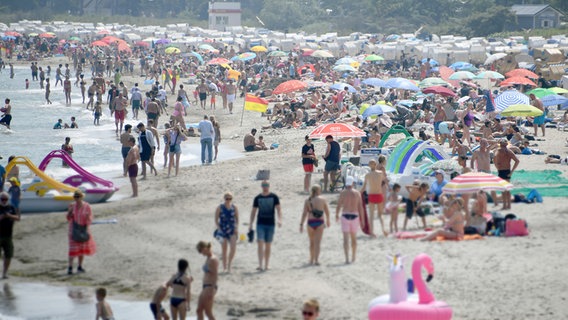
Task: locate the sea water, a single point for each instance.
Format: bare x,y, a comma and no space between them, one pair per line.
36,301
96,148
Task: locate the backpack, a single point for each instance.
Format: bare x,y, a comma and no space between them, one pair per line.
516,228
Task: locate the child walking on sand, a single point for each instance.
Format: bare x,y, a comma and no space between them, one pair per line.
104,312
393,200
156,303
415,195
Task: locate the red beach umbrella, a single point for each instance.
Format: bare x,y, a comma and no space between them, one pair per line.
337,130
440,90
517,80
218,61
521,73
474,181
290,86
99,43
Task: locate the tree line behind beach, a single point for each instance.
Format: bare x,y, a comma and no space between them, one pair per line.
469,18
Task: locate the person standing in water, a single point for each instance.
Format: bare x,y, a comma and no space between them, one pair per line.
7,114
47,91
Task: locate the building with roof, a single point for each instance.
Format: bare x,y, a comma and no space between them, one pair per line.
536,16
224,14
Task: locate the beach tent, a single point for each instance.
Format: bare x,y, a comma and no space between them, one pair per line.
411,151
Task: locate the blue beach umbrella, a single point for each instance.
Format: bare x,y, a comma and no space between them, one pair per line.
375,82
432,62
401,83
377,109
553,100
341,86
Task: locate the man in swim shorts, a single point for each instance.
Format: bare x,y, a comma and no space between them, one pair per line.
132,165
332,158
231,94
502,161
202,89
125,142
352,204
266,204
538,121
119,107
7,116
373,185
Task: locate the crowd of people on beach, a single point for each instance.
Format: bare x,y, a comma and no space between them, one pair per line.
99,70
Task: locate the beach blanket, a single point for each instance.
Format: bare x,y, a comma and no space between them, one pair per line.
421,234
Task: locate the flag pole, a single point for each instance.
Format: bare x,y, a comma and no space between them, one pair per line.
243,112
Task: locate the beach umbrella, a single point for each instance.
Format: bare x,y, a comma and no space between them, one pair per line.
431,82
163,41
494,57
341,86
124,47
489,75
474,181
443,91
277,54
142,44
47,35
469,83
218,61
307,52
462,75
553,100
392,37
234,74
110,39
558,90
375,82
344,68
540,92
104,32
337,130
99,43
401,83
172,50
12,33
8,38
445,73
508,98
33,34
521,73
75,39
246,56
290,86
377,109
258,49
322,54
464,66
206,47
521,110
517,81
197,55
373,57
432,62
345,60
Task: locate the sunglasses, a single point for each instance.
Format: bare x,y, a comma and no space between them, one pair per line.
307,313
228,199
4,199
265,185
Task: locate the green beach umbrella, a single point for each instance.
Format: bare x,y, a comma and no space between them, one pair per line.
540,92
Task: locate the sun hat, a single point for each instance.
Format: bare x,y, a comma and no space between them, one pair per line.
349,181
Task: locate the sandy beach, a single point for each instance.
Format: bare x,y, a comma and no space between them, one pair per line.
494,278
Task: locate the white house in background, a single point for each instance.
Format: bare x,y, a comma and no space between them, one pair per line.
224,14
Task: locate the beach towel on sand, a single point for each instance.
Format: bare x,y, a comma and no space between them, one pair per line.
421,234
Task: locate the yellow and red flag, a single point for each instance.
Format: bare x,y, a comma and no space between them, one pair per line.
254,103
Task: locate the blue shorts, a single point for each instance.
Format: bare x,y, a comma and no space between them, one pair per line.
437,126
331,166
539,120
264,233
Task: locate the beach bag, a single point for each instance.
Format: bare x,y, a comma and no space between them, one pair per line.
263,175
79,233
516,228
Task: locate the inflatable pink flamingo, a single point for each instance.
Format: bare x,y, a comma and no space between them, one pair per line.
426,308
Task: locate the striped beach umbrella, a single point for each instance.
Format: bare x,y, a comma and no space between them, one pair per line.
337,130
508,98
474,181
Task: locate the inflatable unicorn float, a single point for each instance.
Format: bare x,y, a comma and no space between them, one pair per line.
399,305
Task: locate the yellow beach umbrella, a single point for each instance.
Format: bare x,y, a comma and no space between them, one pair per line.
521,110
172,50
258,49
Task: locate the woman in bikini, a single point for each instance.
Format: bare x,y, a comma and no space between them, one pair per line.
180,283
454,228
210,272
314,209
227,221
